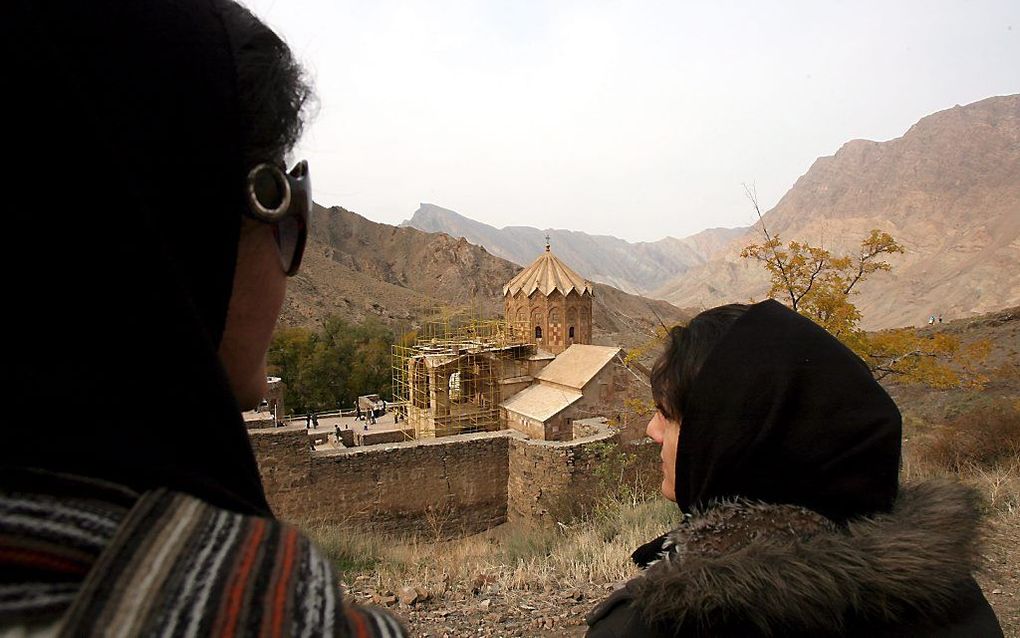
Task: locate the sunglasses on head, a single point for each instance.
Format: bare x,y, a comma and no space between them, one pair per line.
283,200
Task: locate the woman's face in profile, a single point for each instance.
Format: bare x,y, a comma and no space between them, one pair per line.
666,433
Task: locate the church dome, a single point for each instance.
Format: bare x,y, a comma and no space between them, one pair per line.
546,274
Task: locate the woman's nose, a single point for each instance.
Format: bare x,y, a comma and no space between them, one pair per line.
654,428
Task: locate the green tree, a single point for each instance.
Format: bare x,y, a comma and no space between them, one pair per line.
331,367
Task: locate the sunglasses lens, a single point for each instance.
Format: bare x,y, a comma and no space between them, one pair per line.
288,239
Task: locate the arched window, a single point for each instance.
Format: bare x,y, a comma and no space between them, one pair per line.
554,315
538,332
454,386
570,332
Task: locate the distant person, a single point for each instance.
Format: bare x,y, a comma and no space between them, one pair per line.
315,420
357,408
783,454
931,320
336,432
159,131
940,317
308,421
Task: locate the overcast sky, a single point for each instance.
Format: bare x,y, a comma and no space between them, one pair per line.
635,119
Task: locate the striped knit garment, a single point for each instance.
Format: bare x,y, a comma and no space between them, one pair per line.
168,565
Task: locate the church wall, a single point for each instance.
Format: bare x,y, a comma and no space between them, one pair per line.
532,428
559,427
509,388
601,396
446,487
536,365
551,314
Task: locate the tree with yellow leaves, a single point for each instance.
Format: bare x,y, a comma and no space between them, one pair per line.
820,286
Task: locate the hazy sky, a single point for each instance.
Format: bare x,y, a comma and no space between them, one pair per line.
636,119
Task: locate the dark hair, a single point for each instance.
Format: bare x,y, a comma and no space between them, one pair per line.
272,91
687,348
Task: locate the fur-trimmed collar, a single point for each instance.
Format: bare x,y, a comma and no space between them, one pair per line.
784,568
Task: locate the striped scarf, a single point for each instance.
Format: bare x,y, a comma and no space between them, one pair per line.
166,564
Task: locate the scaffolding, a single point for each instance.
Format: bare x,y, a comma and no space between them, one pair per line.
448,376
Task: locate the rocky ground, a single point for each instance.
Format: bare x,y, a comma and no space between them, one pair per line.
484,607
442,610
1001,577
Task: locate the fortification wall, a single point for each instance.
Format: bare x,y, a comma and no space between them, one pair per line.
552,481
443,487
451,486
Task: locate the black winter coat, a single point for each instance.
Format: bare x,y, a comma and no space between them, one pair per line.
751,569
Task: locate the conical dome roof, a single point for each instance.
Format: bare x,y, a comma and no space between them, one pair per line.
545,274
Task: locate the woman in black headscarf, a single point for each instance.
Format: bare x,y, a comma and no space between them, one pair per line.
783,454
150,228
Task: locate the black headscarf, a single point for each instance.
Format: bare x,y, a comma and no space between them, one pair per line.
782,412
122,224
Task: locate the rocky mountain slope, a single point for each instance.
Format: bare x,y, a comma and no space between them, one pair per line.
356,268
948,190
632,267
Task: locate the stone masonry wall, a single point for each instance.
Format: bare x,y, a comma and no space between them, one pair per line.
451,486
285,461
552,481
438,488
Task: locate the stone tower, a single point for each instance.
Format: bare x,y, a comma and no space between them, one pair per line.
551,302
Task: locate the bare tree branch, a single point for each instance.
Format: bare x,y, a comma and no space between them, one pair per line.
752,194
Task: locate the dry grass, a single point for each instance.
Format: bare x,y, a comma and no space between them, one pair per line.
980,446
986,437
978,442
593,550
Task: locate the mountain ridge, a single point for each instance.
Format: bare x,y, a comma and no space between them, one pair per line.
357,269
947,190
635,267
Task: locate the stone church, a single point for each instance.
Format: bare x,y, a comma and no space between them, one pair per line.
537,372
550,303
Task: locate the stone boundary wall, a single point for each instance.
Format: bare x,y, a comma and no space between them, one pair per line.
554,481
439,488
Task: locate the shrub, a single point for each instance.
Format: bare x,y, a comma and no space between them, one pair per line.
983,438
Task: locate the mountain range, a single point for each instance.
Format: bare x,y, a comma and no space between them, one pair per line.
638,268
355,269
948,191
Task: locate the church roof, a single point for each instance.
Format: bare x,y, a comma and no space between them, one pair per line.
541,402
545,274
577,365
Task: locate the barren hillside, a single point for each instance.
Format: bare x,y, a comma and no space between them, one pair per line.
948,190
356,268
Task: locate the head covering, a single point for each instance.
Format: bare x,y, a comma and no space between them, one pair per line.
122,231
782,412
